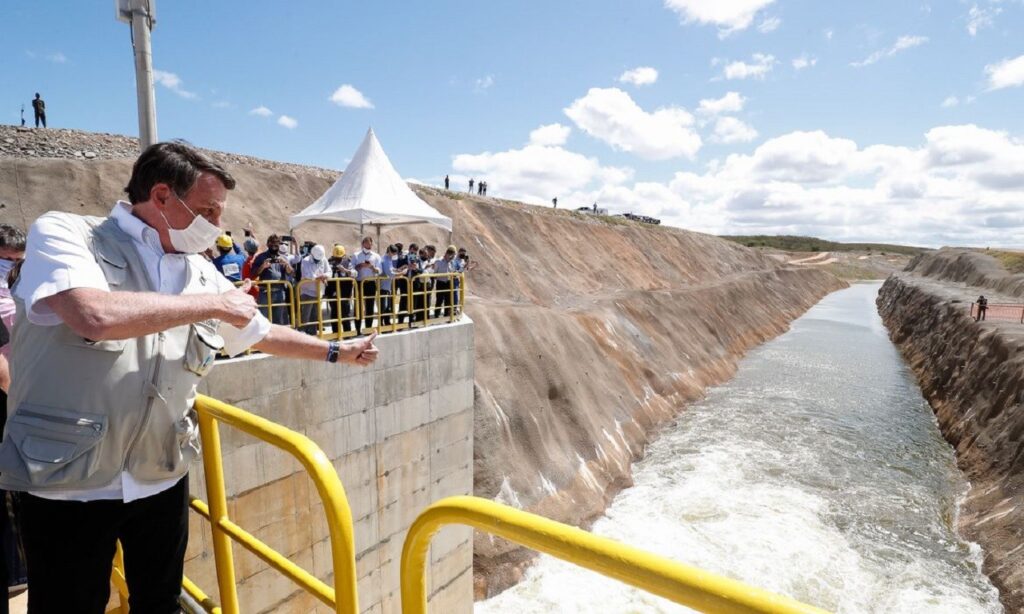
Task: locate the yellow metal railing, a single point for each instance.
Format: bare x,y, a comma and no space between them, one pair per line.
655,574
412,302
683,584
342,597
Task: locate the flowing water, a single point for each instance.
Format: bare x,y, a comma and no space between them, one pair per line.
817,472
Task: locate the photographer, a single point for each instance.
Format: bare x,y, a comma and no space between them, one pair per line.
273,265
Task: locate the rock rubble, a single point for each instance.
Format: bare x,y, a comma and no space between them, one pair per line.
18,142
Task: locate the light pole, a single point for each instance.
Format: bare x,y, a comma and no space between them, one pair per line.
142,17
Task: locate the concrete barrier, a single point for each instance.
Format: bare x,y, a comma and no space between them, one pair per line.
401,436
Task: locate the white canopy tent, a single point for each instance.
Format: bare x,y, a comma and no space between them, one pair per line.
371,193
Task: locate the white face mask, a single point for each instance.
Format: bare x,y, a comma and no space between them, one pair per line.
194,238
5,268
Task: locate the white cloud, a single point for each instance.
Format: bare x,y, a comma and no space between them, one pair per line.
483,83
533,174
732,102
979,18
950,101
761,64
288,122
804,61
731,130
550,134
349,96
729,15
641,75
262,111
962,185
172,82
829,33
770,24
609,114
902,43
57,57
1006,73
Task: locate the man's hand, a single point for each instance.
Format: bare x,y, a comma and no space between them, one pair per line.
360,351
237,307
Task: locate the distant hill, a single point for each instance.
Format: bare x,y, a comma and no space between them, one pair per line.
792,243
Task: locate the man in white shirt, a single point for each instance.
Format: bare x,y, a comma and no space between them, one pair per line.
367,264
71,292
314,271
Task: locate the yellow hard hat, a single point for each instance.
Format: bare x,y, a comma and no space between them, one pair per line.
452,248
339,251
224,241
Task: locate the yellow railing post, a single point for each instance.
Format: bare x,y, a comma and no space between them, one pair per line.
213,470
343,597
655,574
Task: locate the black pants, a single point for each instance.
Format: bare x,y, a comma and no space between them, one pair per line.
70,547
40,117
369,300
385,307
419,301
443,294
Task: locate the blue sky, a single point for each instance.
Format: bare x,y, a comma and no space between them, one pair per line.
875,134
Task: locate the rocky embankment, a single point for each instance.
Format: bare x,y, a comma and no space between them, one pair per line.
591,333
972,374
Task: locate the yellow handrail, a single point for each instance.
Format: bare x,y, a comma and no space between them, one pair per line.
343,596
656,574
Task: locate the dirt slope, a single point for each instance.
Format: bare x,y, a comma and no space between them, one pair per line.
590,335
972,374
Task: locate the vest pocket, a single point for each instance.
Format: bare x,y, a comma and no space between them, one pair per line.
48,446
201,348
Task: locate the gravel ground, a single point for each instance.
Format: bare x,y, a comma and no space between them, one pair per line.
78,145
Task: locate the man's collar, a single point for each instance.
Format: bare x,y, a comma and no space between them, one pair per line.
135,228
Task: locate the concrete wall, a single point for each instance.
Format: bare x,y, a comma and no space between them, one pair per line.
400,435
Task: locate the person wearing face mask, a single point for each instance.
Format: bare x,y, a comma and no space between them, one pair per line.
388,264
273,265
126,315
367,265
443,285
12,251
315,268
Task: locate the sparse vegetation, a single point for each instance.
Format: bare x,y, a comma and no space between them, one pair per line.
792,243
1013,262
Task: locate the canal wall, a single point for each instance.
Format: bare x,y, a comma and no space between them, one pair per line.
400,434
973,376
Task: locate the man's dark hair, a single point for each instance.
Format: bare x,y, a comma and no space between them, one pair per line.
273,237
12,238
175,163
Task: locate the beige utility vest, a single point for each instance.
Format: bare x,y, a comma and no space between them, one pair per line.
80,412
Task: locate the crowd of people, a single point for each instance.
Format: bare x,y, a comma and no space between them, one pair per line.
393,287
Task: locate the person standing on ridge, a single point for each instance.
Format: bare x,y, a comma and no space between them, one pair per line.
129,317
39,106
982,308
446,182
471,185
554,202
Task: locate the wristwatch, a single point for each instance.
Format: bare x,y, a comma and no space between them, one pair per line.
333,351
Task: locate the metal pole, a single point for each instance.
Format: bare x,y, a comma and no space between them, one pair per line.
142,23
